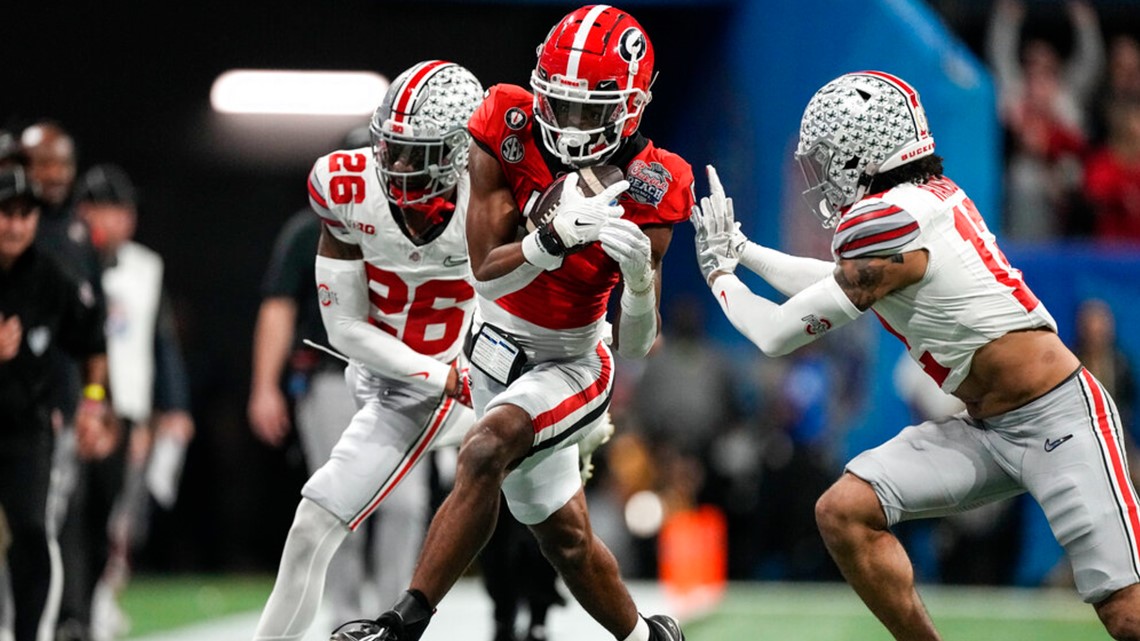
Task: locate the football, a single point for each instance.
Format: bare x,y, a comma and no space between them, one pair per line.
591,182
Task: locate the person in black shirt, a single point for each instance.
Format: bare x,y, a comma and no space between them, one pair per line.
43,315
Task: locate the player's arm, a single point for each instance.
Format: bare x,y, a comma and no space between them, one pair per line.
867,280
639,253
497,259
343,289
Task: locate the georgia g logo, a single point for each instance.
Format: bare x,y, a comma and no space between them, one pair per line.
631,45
816,325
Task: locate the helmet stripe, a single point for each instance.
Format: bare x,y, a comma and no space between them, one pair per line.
580,38
416,81
908,92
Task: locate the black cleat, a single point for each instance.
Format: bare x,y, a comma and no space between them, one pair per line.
358,630
664,628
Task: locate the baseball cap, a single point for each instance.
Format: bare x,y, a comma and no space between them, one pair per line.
106,184
14,183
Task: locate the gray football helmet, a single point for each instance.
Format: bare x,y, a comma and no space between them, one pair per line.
858,125
419,131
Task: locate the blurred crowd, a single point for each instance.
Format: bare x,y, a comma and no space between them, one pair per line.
1071,119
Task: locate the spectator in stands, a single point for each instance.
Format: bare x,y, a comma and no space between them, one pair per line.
1043,103
1097,347
1112,175
149,386
1122,79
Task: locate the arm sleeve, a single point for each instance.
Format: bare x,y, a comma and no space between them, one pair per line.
344,310
781,329
788,274
171,382
638,327
508,283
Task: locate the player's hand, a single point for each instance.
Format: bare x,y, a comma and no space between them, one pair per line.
623,241
11,334
97,430
459,384
268,413
579,219
718,237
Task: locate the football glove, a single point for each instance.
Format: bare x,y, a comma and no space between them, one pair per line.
579,219
628,246
718,237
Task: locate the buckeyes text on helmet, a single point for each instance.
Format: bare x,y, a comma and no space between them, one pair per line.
857,126
591,83
419,131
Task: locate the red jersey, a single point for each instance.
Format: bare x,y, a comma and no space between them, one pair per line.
660,192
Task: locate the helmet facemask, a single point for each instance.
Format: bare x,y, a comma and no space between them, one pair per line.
582,126
419,133
416,169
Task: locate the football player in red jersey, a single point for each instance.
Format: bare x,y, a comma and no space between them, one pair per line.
910,246
543,370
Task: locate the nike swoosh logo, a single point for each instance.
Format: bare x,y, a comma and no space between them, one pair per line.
578,223
424,374
724,297
1052,445
454,261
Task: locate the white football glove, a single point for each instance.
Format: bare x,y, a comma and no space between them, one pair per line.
578,219
624,242
718,237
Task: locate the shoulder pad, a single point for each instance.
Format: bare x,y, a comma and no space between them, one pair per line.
873,227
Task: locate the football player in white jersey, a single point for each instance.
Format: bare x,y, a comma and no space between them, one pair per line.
910,246
396,297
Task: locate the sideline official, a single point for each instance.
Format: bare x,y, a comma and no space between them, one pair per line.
43,313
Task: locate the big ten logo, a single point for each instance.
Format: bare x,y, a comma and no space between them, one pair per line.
366,228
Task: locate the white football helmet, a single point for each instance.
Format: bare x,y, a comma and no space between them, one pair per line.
419,132
856,126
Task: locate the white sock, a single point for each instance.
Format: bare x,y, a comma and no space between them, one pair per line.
640,631
296,597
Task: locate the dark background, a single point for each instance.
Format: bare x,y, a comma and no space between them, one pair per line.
131,83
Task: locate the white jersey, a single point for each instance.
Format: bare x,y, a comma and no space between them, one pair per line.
421,294
970,294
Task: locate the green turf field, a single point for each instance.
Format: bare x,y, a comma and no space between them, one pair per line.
834,613
749,612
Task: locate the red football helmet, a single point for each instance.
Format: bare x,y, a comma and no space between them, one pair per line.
591,83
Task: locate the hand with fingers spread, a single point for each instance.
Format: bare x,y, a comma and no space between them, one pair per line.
579,219
623,241
718,236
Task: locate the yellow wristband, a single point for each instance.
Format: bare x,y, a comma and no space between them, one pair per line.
95,392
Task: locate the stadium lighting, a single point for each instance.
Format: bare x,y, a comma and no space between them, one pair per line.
312,93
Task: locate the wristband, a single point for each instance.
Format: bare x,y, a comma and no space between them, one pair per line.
94,392
535,252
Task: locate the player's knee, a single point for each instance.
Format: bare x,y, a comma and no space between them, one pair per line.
848,505
1120,614
502,437
566,547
